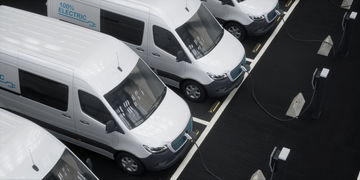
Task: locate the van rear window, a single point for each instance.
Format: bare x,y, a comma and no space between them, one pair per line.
43,90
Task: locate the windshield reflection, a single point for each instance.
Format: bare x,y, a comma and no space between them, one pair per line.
137,97
69,168
201,33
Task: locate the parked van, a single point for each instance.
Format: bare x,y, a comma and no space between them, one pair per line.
245,17
180,40
30,152
90,89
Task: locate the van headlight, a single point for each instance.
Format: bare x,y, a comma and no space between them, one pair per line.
155,150
217,77
256,18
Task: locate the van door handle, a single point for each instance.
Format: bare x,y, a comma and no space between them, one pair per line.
66,115
155,54
140,49
84,122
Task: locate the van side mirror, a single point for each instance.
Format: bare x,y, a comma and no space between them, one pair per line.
180,56
89,164
110,126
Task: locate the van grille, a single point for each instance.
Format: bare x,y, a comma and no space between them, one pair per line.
271,15
235,73
181,139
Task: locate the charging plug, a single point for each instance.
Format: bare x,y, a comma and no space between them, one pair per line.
284,153
245,67
190,136
353,15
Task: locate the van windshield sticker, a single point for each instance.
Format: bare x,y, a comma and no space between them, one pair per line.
9,84
69,11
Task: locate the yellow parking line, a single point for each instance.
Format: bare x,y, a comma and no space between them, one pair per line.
214,107
256,48
288,3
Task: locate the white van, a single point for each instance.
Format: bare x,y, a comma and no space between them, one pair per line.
180,40
245,17
90,89
30,152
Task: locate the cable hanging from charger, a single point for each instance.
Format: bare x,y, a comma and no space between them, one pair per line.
204,165
307,40
262,107
191,139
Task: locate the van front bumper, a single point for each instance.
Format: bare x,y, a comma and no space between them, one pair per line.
260,27
163,160
223,87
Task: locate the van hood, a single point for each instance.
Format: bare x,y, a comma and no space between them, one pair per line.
227,54
257,7
166,123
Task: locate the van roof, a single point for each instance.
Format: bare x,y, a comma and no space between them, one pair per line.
24,30
64,47
24,144
173,12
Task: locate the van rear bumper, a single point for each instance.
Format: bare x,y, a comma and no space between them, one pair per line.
223,87
156,162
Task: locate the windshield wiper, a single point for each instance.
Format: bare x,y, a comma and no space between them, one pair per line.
156,104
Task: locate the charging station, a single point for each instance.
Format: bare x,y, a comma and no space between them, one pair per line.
318,83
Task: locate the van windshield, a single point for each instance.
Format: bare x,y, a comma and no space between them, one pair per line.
201,33
69,167
137,97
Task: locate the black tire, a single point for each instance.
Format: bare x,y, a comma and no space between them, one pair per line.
193,91
236,30
129,163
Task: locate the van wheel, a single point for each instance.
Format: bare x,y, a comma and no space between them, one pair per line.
236,30
129,163
193,91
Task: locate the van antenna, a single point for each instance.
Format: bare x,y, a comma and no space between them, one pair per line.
119,68
32,160
186,6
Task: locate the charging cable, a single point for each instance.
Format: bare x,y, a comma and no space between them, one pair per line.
262,107
307,40
191,139
271,163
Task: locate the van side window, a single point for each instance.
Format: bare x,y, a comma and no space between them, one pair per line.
44,90
166,40
93,107
124,28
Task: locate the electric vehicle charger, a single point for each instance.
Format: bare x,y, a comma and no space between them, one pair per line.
191,137
343,25
339,5
307,40
262,107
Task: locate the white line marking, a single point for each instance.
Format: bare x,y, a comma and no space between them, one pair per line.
203,122
230,96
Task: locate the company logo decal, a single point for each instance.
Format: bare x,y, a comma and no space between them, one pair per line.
68,10
8,83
